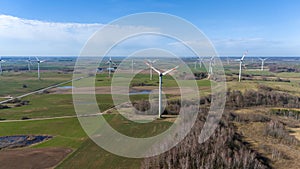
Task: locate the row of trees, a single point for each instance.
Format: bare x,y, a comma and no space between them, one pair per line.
264,96
277,69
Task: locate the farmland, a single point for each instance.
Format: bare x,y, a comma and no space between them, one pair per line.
52,113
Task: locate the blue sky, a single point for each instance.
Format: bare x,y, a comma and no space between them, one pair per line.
264,27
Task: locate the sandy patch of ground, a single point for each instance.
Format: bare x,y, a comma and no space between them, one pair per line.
32,158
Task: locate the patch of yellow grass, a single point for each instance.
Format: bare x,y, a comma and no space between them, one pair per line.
295,132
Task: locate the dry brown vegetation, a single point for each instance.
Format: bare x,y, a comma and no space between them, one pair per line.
224,149
32,158
252,135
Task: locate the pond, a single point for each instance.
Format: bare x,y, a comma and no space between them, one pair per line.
66,87
136,92
21,140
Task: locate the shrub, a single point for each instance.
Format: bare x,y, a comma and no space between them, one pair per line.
277,130
4,106
25,118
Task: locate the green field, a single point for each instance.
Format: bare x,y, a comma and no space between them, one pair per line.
67,132
54,105
18,83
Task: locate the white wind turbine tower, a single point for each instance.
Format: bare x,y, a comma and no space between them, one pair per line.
38,62
1,61
132,64
228,60
29,63
161,74
210,69
199,61
262,63
150,62
109,62
241,62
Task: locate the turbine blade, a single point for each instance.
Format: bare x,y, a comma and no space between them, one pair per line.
155,60
151,67
244,55
157,71
37,58
170,70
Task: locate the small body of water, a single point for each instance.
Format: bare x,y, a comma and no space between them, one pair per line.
21,140
66,87
135,92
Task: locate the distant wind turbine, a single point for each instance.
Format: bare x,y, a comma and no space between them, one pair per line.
151,62
228,60
38,62
1,61
241,63
262,63
132,64
161,74
29,63
210,68
110,62
199,61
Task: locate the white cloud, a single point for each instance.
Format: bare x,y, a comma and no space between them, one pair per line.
32,37
21,37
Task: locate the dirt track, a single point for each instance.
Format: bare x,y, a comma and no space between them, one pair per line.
32,158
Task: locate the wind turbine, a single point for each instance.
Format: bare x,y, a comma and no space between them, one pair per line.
210,69
38,62
161,74
132,64
199,60
1,61
241,62
262,63
150,62
109,62
29,63
228,60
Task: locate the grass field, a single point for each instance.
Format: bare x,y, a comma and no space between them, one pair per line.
18,83
67,132
54,105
